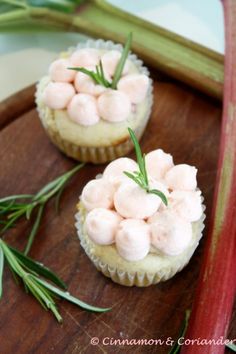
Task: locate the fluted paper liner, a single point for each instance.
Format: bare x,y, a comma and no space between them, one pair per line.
136,273
104,153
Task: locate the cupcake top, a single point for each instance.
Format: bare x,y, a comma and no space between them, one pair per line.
139,219
94,84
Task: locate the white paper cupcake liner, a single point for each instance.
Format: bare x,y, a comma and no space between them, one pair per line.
122,273
93,154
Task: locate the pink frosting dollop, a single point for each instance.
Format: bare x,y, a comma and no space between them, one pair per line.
135,86
101,225
131,201
59,72
98,193
110,60
57,95
85,57
133,239
170,233
85,84
114,172
114,106
82,109
182,177
158,163
186,204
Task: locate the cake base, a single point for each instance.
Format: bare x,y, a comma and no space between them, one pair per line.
152,269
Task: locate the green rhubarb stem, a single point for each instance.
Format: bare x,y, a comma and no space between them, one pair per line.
14,16
16,3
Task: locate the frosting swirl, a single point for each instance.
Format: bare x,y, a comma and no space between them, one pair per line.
57,95
169,233
85,57
82,109
131,201
133,239
101,225
114,172
110,60
135,86
136,221
114,106
98,193
181,177
158,163
58,71
186,204
105,103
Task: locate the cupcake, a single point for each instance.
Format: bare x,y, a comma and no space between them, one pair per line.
89,98
140,223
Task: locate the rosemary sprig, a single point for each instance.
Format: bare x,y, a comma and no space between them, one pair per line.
121,63
14,207
38,268
140,177
176,347
1,270
29,272
98,76
232,347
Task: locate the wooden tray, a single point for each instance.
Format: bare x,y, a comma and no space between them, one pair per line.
184,123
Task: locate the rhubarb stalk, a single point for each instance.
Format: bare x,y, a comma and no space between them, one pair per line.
179,57
216,289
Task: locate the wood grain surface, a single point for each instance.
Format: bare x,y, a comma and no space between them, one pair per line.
184,123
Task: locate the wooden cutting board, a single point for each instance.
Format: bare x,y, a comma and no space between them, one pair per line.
183,123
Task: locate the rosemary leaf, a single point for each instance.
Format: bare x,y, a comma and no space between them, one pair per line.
58,198
14,197
160,195
15,276
101,72
29,211
98,77
121,63
38,268
134,178
176,347
68,297
39,288
53,186
10,211
1,269
31,288
145,170
232,347
141,177
47,188
138,152
9,224
5,207
34,229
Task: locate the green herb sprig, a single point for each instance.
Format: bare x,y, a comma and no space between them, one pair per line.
121,63
13,208
30,273
140,177
176,347
98,76
184,326
231,346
